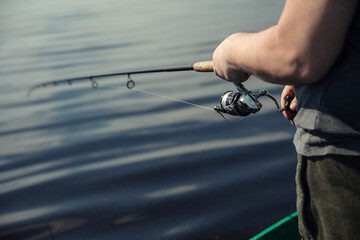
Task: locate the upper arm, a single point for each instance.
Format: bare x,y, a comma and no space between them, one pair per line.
313,31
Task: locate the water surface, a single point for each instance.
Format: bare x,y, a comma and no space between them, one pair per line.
113,163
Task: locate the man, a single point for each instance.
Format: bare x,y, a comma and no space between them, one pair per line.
315,51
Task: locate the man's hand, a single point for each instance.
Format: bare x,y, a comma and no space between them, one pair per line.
222,68
289,114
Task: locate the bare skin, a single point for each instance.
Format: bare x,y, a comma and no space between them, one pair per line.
300,49
289,90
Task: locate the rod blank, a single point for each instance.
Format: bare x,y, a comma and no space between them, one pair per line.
206,66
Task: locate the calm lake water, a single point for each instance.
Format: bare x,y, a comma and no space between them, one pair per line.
113,163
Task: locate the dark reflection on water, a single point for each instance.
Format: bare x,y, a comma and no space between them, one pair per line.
111,163
42,230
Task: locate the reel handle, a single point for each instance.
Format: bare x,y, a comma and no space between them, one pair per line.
288,100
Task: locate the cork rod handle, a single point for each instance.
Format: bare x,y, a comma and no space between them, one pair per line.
206,66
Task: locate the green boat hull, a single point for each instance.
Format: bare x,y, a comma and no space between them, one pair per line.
286,228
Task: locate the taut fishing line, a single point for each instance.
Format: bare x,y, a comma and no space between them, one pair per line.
135,88
131,85
171,99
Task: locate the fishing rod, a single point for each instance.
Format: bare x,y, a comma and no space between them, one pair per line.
205,66
240,103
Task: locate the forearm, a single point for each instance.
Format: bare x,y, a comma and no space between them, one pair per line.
275,58
263,55
300,49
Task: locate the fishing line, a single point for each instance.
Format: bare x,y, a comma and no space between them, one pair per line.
172,99
159,95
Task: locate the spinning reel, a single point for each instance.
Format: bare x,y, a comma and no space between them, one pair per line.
243,102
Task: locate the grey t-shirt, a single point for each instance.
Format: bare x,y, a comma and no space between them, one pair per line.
328,119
